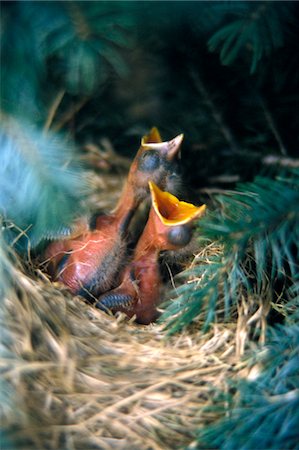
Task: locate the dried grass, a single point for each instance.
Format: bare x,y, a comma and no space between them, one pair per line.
82,379
76,378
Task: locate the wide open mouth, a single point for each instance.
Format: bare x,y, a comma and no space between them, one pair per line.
171,210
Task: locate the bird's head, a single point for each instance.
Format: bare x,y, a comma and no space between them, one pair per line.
155,161
172,218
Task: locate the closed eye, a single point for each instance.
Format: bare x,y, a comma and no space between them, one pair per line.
179,235
149,161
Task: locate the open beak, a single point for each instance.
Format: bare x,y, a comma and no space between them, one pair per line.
171,210
152,138
169,149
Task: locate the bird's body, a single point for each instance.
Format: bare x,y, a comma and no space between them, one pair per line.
167,228
87,265
90,261
141,282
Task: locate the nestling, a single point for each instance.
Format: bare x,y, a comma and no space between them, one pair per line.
168,228
90,262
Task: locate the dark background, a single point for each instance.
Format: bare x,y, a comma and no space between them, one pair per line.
223,73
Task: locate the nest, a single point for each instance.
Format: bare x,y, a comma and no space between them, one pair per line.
80,379
77,378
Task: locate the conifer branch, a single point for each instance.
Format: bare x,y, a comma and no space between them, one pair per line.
264,412
257,226
41,186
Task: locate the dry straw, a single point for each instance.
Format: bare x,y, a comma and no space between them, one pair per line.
80,379
76,378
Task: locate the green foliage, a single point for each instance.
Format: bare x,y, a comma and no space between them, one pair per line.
41,186
49,48
255,29
265,412
87,49
84,43
20,80
258,229
75,46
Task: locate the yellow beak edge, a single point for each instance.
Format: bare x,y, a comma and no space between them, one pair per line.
171,210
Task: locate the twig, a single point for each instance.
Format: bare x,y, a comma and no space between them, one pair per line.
225,179
270,160
217,116
270,120
79,20
70,114
53,109
171,276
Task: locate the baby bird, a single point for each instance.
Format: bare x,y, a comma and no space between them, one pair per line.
168,228
89,262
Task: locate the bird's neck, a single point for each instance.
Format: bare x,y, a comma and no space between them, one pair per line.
148,246
125,208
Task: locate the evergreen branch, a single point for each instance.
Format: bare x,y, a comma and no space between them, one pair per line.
41,188
263,413
84,43
257,29
258,228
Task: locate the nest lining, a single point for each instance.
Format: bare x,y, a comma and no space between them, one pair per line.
82,379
